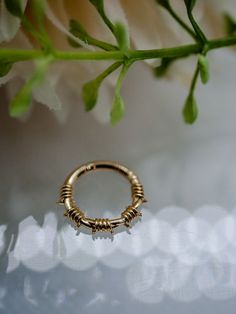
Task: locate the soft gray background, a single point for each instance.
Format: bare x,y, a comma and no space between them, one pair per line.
180,165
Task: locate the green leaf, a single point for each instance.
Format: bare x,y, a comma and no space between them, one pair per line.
78,30
190,110
90,94
90,89
161,70
230,24
14,7
5,67
122,36
22,100
203,65
164,3
118,109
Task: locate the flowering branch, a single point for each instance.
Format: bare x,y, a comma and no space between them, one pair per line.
120,53
15,55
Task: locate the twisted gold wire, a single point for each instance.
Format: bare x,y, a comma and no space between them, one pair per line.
129,214
66,192
101,224
75,214
137,190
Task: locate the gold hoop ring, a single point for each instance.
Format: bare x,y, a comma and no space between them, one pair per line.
101,224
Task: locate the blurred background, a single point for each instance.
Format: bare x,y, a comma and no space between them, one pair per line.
180,258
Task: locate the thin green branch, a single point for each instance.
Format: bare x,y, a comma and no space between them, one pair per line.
14,55
199,33
194,80
99,5
177,18
77,29
167,6
100,44
197,29
182,23
26,23
109,70
121,77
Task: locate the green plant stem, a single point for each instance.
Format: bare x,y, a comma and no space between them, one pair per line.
194,81
101,44
182,23
122,76
109,70
196,27
14,55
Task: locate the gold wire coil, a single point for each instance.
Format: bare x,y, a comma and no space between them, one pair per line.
137,190
75,214
129,214
101,224
66,192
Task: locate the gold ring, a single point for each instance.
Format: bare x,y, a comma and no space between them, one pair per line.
101,224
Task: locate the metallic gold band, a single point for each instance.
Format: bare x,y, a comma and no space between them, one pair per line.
101,224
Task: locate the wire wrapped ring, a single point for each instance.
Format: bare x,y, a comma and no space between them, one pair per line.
101,224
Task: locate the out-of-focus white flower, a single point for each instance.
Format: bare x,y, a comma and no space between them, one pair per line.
9,24
150,26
